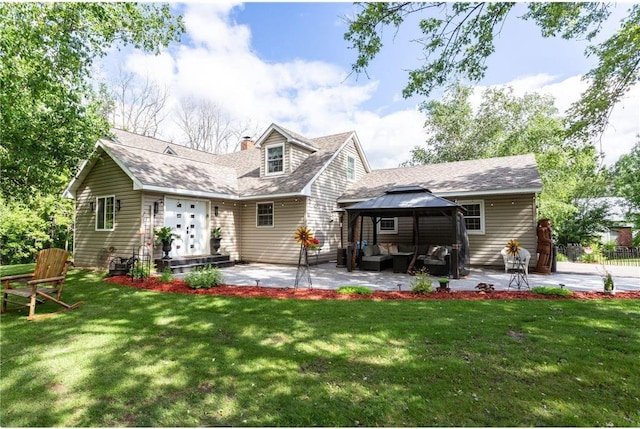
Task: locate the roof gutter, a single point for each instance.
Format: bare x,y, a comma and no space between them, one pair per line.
458,194
186,192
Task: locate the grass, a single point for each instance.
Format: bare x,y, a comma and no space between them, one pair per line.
129,357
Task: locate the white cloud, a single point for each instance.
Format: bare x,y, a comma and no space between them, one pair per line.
313,97
310,97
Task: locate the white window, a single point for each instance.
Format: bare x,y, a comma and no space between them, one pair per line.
264,214
474,217
274,159
388,225
351,168
105,213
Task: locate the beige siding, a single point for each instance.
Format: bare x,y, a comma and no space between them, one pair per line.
230,220
297,155
507,217
91,246
156,220
272,244
324,192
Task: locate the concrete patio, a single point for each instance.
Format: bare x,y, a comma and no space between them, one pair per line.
574,276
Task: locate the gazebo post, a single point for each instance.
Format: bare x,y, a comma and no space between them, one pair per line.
374,221
455,248
352,219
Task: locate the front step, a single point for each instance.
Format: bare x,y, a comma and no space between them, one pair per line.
185,265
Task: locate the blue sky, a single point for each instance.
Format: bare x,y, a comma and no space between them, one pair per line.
289,63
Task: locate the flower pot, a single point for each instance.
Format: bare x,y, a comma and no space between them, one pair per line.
215,245
609,286
166,248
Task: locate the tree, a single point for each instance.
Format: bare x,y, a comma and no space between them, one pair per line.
139,104
625,174
208,127
51,116
458,39
505,124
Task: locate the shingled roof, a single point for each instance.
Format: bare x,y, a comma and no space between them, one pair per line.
504,175
156,165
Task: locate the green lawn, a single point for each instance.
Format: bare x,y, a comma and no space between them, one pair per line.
138,358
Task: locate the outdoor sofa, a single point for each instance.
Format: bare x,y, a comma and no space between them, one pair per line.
378,257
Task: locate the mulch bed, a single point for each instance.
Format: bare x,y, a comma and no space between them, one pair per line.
179,286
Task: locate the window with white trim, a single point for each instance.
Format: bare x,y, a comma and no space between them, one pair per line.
105,213
388,225
474,217
351,168
264,214
274,159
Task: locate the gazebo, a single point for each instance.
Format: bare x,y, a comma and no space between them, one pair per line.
410,202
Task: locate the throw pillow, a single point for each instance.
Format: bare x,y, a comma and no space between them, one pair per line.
384,248
393,248
434,251
440,253
376,250
368,250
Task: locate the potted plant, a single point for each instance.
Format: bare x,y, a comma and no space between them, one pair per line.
609,286
444,283
607,280
165,235
216,237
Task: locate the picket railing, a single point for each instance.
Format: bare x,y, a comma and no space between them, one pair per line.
629,256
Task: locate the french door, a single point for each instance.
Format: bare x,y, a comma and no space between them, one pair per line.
188,219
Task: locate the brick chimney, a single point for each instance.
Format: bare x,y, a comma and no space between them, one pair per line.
247,143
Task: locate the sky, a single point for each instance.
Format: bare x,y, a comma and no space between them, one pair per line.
288,63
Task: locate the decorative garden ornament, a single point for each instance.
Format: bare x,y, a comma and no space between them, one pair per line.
304,236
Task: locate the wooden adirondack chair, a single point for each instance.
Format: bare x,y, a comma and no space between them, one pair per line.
45,283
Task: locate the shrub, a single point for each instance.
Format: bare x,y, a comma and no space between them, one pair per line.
204,277
167,275
421,283
551,290
592,255
561,257
360,290
140,270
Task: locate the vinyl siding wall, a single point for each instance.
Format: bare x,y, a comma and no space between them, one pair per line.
324,192
91,246
229,219
506,217
274,244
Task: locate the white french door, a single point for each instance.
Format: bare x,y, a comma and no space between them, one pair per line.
188,219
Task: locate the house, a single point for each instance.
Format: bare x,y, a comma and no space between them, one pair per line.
259,195
498,195
618,226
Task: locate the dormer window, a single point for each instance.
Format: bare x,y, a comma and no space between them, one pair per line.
274,159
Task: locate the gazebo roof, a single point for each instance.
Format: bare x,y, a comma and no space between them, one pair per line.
403,201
